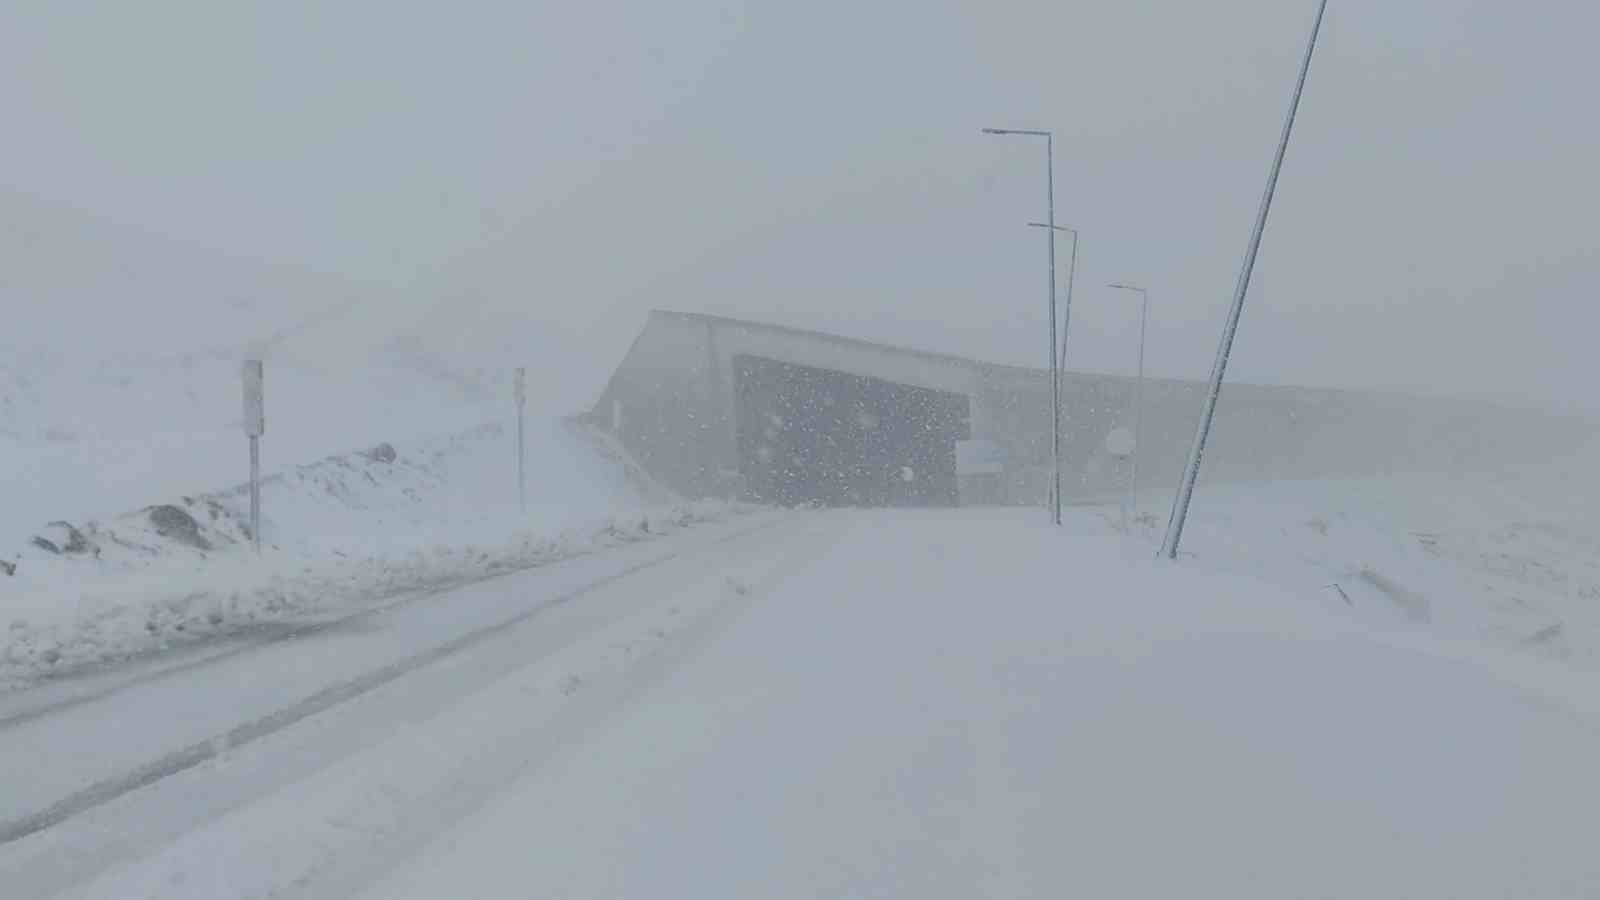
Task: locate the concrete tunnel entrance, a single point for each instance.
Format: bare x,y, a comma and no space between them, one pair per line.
809,435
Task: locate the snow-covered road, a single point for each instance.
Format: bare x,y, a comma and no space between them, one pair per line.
918,704
102,769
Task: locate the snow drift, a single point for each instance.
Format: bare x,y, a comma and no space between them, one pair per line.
338,535
1511,558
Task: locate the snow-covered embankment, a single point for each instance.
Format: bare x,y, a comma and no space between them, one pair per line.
338,535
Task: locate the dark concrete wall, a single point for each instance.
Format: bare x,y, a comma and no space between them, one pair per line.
808,435
669,407
1261,432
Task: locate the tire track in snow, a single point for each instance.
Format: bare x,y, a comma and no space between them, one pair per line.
109,789
352,870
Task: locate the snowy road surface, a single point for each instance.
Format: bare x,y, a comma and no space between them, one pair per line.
130,758
917,704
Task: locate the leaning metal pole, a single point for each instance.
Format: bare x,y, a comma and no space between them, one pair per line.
1055,368
1180,504
1066,308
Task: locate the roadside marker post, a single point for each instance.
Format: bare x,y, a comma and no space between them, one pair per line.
522,405
255,425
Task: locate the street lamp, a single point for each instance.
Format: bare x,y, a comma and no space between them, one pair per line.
1066,313
1055,367
1072,268
1138,399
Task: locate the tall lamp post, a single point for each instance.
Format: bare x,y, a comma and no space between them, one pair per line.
1066,305
1055,367
1138,392
1066,316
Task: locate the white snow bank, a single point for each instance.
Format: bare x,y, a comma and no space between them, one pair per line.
1511,558
338,535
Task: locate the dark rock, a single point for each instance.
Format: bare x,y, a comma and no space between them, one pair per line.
62,538
174,524
8,568
383,453
75,542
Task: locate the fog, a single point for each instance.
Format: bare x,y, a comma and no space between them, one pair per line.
790,571
518,184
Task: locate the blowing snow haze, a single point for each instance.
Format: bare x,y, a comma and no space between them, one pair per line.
648,495
518,183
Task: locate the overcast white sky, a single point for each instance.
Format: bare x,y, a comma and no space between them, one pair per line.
522,181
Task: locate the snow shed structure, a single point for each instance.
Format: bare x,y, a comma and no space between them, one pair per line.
713,406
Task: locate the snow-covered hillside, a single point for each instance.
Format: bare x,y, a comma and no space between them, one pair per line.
82,441
119,366
122,457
